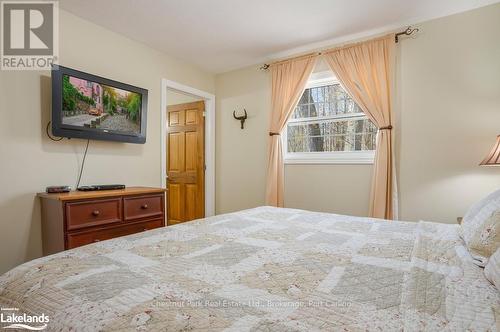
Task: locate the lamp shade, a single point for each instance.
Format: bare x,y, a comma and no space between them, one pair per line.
493,158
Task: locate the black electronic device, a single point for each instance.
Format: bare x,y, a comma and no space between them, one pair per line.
58,189
101,187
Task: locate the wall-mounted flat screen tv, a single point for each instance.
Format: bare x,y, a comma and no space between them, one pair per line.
91,107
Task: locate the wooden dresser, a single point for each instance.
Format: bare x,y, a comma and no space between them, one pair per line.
78,218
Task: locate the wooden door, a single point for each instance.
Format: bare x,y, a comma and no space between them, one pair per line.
185,162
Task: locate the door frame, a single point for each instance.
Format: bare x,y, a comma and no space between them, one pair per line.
209,138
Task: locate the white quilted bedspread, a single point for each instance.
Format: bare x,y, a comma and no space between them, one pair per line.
264,269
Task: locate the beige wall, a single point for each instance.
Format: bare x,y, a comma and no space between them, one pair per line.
448,114
241,154
342,189
174,98
30,161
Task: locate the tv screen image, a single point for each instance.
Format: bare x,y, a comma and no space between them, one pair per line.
92,107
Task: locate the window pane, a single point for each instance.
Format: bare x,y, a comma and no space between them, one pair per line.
330,100
334,129
354,134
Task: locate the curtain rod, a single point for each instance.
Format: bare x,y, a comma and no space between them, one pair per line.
409,31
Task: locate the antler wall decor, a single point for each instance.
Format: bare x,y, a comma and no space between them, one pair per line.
241,118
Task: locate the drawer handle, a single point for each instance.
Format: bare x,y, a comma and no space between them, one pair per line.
145,229
97,240
95,213
144,206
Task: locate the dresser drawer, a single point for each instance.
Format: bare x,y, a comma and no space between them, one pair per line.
93,213
78,239
143,207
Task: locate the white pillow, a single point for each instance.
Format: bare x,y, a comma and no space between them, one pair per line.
481,228
492,269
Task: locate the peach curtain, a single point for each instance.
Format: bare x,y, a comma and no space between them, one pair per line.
365,70
289,79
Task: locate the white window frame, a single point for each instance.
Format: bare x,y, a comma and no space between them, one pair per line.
319,79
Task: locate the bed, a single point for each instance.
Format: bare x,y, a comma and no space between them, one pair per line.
263,269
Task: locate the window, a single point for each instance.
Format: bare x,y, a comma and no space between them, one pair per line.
328,127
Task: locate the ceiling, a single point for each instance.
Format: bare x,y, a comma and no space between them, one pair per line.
221,35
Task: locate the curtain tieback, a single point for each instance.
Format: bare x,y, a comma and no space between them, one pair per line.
389,127
273,134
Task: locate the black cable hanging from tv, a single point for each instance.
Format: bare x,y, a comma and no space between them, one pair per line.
83,164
